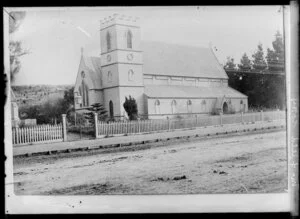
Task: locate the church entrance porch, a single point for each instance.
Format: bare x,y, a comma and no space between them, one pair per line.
111,109
225,108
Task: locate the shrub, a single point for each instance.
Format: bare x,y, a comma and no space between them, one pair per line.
130,107
96,108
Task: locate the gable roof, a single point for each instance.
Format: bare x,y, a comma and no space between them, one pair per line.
180,60
93,65
179,91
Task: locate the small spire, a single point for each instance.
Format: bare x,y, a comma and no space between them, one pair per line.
81,51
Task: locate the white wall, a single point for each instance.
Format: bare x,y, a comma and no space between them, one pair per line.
137,93
137,79
113,95
119,37
196,107
184,81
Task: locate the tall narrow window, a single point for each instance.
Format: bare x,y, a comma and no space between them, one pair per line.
173,105
87,95
130,75
242,106
157,107
83,92
203,106
109,76
129,39
108,41
189,106
111,109
80,94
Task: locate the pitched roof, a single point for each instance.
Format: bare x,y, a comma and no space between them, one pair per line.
180,60
94,66
177,91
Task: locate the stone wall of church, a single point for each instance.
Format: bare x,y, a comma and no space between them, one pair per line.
112,94
130,75
119,38
198,106
110,76
137,93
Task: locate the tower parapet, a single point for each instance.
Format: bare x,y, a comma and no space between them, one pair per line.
119,19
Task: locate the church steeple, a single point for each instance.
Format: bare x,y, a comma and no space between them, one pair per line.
121,62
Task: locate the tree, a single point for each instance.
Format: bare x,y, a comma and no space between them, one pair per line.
275,56
29,112
68,100
15,47
130,107
259,62
230,64
96,108
245,63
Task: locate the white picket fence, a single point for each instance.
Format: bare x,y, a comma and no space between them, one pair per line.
37,134
131,127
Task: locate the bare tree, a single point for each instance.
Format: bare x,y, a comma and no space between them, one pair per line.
15,47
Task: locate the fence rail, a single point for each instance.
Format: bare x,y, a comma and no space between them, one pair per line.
142,126
37,134
54,133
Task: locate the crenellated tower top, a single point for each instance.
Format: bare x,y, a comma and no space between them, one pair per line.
119,19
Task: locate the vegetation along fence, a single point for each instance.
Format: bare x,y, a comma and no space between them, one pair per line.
37,134
55,133
130,127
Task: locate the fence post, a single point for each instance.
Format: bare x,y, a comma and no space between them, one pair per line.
261,115
96,124
221,118
242,116
139,125
64,126
169,123
196,120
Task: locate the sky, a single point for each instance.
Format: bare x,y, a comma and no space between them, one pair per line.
55,36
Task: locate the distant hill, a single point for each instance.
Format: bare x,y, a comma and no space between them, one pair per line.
38,94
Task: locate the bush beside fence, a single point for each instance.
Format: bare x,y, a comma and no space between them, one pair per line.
54,133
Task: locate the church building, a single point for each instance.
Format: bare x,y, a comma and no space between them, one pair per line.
166,80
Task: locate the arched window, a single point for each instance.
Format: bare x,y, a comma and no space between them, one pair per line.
203,106
84,92
111,109
157,106
129,39
108,41
189,106
80,94
173,105
109,76
242,106
130,75
87,95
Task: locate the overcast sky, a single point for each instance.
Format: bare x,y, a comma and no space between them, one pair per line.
54,36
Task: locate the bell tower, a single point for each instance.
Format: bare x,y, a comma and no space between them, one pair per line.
121,63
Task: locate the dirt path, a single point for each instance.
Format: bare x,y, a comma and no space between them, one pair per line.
254,163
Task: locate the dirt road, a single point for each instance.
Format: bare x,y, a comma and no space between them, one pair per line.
249,163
